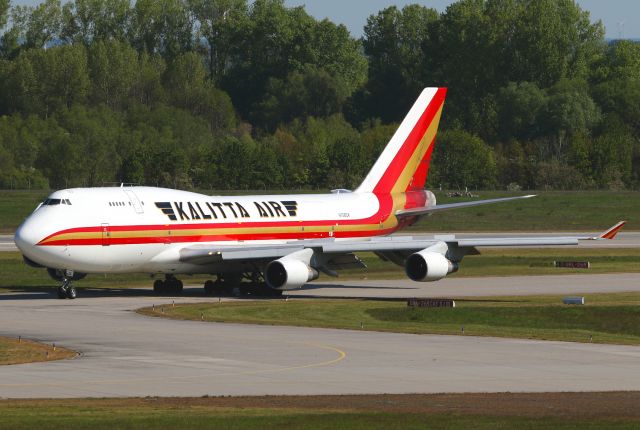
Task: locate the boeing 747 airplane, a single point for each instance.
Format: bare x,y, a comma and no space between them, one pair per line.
275,242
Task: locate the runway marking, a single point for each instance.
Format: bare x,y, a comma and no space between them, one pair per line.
341,356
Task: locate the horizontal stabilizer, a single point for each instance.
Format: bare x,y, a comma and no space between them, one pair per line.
450,206
612,232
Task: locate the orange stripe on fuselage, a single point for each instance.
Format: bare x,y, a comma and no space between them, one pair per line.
382,223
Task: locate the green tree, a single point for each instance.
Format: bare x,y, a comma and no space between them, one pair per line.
570,111
218,20
161,26
519,108
463,160
87,21
554,39
191,90
38,25
311,92
4,10
42,81
612,154
113,66
147,87
9,37
275,41
393,43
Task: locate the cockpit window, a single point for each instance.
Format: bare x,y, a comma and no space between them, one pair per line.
53,202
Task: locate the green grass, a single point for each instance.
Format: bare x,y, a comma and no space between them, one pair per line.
493,262
561,211
259,419
154,413
557,210
606,318
16,205
18,276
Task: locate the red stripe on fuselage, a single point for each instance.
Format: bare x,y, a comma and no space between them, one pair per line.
220,238
385,210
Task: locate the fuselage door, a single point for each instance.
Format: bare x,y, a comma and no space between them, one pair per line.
133,198
106,235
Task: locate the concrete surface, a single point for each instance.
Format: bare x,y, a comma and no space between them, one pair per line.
126,354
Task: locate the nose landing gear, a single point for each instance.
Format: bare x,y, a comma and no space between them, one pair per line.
66,290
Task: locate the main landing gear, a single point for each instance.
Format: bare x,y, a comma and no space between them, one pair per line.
66,290
230,285
170,285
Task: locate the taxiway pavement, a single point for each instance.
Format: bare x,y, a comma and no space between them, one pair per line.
126,354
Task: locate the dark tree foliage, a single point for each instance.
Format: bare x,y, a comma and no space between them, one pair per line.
240,94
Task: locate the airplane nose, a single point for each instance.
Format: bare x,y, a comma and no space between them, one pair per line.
26,236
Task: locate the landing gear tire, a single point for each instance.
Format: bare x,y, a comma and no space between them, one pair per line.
209,287
158,286
66,290
170,286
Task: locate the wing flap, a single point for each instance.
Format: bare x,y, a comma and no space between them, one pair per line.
215,254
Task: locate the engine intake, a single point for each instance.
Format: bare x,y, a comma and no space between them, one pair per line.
290,272
427,266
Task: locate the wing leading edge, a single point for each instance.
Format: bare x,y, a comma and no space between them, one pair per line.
210,254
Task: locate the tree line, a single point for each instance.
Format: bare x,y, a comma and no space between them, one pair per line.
231,94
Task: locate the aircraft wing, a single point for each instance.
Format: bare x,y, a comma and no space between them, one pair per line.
449,206
210,253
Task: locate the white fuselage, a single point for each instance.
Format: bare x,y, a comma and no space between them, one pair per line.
142,229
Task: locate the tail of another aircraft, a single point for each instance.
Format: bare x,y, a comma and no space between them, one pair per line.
404,163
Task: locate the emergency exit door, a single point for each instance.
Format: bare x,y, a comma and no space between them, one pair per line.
106,235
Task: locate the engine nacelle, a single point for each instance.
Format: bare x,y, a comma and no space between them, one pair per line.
427,266
288,274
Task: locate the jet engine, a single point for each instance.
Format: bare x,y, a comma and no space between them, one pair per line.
427,266
290,272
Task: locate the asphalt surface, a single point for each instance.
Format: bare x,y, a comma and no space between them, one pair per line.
6,243
126,354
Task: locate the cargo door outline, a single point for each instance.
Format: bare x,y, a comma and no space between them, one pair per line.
135,202
106,234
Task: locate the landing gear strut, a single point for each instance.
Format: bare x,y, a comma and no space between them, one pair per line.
170,285
66,290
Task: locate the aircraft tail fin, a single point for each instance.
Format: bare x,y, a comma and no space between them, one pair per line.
404,163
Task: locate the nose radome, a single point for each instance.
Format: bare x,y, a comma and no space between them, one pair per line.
26,236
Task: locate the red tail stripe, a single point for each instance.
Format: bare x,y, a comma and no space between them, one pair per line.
420,176
390,177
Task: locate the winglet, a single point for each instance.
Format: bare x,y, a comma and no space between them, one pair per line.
611,233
